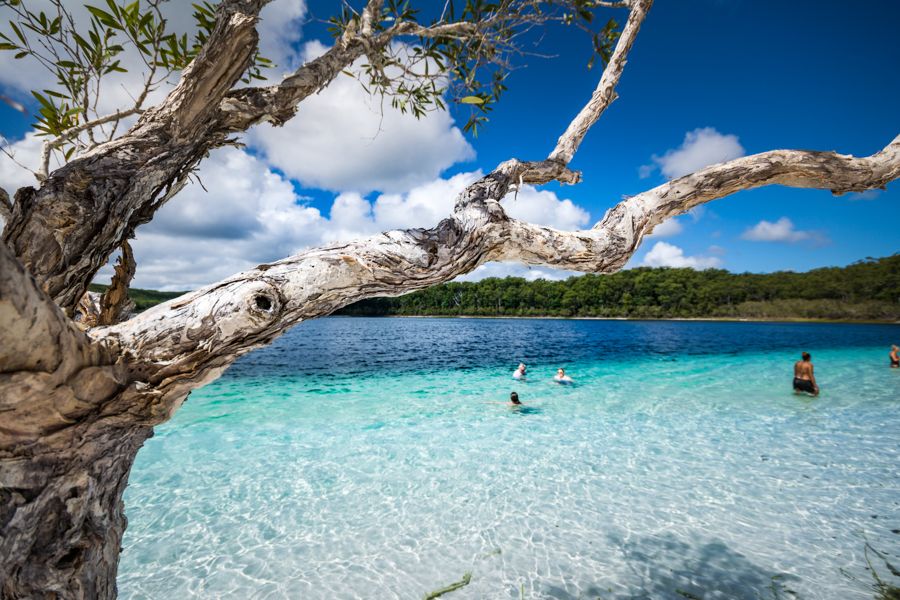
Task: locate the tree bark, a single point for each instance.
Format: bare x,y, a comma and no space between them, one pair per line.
66,230
115,303
71,421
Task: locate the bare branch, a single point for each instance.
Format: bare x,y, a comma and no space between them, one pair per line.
247,310
611,242
605,93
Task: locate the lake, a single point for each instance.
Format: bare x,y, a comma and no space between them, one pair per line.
376,458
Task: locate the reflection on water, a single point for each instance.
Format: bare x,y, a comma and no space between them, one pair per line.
377,458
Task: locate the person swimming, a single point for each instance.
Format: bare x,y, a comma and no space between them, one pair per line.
804,379
519,373
895,358
514,399
562,378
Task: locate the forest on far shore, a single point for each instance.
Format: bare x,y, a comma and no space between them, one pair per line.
868,290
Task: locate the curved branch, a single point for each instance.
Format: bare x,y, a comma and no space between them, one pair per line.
611,242
190,340
555,166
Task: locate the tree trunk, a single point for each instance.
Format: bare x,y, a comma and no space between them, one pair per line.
63,517
72,417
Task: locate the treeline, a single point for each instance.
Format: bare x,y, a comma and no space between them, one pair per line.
865,290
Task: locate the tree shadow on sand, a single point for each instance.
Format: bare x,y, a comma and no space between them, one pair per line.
667,568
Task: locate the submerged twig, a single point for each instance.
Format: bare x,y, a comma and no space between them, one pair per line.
466,579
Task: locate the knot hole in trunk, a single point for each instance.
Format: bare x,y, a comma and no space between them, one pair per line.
263,303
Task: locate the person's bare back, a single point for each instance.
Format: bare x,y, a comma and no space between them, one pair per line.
804,376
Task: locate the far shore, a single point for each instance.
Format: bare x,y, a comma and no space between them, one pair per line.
701,319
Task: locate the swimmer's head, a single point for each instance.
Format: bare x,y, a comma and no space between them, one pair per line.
895,348
806,356
560,372
521,366
514,398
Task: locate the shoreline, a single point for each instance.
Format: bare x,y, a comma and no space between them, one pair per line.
699,319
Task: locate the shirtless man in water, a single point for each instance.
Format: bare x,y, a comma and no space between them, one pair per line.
804,379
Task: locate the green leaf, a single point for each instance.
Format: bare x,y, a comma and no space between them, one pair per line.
472,100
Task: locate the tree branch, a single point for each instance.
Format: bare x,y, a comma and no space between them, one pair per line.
120,183
605,94
611,242
191,339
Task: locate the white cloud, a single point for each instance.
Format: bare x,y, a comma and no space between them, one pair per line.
346,140
781,230
668,228
544,208
280,29
645,171
250,215
701,147
506,269
866,195
17,172
663,254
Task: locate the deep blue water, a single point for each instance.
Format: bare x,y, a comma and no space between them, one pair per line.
375,458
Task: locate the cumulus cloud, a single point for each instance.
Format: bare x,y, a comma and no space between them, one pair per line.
668,228
346,140
701,147
663,254
250,215
507,269
781,230
544,208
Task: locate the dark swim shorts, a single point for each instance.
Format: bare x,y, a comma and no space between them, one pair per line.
804,385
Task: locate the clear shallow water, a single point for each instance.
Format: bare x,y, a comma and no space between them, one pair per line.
363,458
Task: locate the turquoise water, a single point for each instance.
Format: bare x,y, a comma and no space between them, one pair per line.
373,458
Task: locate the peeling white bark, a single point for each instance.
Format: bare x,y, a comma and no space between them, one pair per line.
225,319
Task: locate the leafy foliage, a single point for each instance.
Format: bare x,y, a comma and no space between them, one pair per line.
867,290
82,56
466,54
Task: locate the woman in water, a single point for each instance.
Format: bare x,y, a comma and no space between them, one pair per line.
562,378
519,373
895,358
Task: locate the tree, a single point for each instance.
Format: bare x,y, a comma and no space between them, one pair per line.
77,405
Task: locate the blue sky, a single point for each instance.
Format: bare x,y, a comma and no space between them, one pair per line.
735,76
